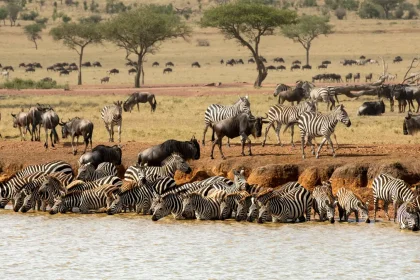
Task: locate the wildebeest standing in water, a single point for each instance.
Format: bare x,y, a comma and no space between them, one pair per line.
154,156
75,128
102,153
411,124
139,97
374,108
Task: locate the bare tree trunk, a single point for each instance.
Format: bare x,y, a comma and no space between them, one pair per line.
36,46
262,72
142,74
307,56
79,79
138,73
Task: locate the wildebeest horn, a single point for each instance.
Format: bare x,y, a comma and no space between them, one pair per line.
61,123
13,115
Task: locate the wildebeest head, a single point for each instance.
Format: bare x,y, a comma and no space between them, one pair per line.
129,103
342,115
194,142
118,151
257,125
411,124
65,128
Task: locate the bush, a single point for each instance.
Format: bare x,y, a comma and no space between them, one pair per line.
66,18
85,5
113,7
41,21
94,7
332,4
370,10
91,19
309,3
24,84
351,5
340,13
325,11
399,12
32,15
203,43
412,13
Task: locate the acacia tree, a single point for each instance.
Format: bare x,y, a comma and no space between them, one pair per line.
247,22
33,31
77,36
141,32
13,9
306,30
388,5
3,14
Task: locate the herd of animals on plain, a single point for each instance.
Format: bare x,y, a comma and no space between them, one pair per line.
149,187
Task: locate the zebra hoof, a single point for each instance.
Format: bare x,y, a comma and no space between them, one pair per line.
211,157
303,157
262,144
317,156
334,155
74,153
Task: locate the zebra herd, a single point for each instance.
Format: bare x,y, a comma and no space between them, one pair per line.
153,191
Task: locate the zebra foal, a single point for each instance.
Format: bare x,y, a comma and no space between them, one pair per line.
112,115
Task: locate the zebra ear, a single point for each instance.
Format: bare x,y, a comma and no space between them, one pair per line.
242,172
62,194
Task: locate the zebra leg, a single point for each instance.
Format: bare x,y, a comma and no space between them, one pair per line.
386,210
332,146
277,129
266,132
303,146
395,204
336,142
356,214
112,133
119,133
320,146
292,131
375,207
109,132
340,212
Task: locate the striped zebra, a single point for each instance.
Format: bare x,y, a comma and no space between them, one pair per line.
390,189
283,114
313,125
243,208
291,206
169,166
170,204
112,115
139,196
325,94
204,208
408,217
216,113
324,203
348,202
229,204
49,167
241,183
87,172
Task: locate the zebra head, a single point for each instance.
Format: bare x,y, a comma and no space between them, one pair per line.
363,208
118,106
342,116
253,210
243,207
244,104
178,162
28,202
225,210
307,106
264,213
114,203
160,209
240,181
331,209
19,200
85,171
58,206
141,173
188,204
412,216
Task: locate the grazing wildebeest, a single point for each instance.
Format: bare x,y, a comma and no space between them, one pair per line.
113,71
251,60
169,64
105,80
306,67
154,156
222,61
241,125
356,77
322,66
75,128
35,120
349,76
8,68
50,120
281,67
397,59
271,67
167,70
50,68
386,91
230,62
287,93
96,64
37,65
362,57
22,65
47,79
139,97
263,59
296,66
64,72
101,154
325,62
411,124
373,108
239,61
132,71
20,121
296,62
131,63
29,70
155,64
86,64
369,77
196,64
278,59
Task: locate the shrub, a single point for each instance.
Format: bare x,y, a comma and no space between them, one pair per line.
399,12
91,19
85,5
41,21
66,18
94,7
32,15
309,3
203,43
351,5
340,13
24,84
370,10
412,13
113,7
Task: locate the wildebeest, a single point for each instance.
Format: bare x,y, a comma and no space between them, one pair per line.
251,60
230,62
369,77
296,66
155,64
154,156
47,79
131,63
50,120
169,64
325,62
322,66
101,154
75,128
239,61
139,97
348,77
64,72
22,65
397,59
167,70
86,64
399,92
306,67
222,61
113,71
132,71
196,64
20,121
356,77
96,64
8,68
287,93
296,62
105,80
241,125
50,68
281,67
411,124
373,108
35,120
271,67
386,91
30,69
278,59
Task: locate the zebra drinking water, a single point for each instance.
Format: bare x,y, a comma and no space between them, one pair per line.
408,216
205,208
87,172
348,202
216,113
324,203
112,115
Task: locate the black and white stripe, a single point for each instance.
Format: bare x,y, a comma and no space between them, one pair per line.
348,202
112,116
325,94
205,208
170,204
390,189
283,114
216,113
138,196
49,167
87,172
229,204
324,203
408,216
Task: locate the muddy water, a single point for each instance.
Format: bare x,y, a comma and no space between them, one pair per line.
72,246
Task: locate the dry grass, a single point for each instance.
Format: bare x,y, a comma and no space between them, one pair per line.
182,117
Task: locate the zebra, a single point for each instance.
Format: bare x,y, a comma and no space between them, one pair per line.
313,125
242,184
390,189
325,94
349,202
293,205
324,203
49,167
408,217
216,113
171,164
112,115
170,203
283,114
204,208
66,202
79,185
243,208
229,204
87,172
140,196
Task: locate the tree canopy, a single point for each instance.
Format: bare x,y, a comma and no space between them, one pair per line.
13,9
77,36
33,32
388,5
306,30
247,22
141,32
3,14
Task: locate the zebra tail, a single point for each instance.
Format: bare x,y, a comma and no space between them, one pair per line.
289,125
